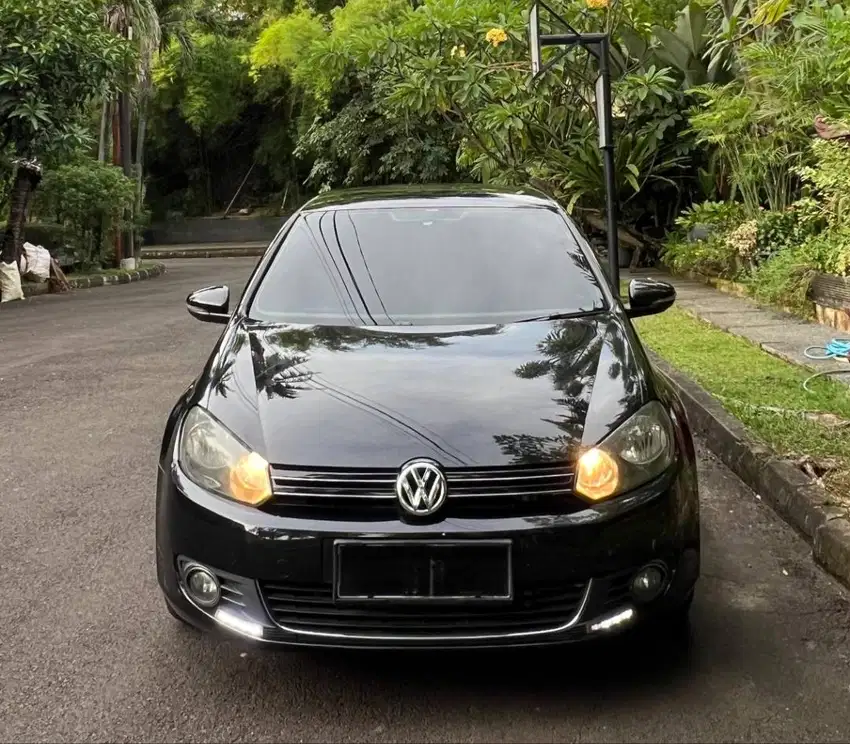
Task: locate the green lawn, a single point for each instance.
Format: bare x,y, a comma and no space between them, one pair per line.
751,384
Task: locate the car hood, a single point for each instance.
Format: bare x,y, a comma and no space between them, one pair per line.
375,397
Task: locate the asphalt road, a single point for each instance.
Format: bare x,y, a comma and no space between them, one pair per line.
88,652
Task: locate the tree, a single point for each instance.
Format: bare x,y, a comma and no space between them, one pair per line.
55,58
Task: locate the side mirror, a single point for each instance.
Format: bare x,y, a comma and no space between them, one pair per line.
649,296
211,304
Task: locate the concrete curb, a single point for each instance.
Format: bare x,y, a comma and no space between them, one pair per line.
234,252
807,507
99,280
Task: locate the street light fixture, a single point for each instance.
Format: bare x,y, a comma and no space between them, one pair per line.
597,44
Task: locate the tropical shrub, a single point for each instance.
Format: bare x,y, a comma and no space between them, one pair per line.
55,57
90,200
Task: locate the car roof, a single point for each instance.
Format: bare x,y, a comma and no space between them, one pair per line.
435,195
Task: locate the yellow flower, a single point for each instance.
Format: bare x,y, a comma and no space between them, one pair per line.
596,4
458,51
496,36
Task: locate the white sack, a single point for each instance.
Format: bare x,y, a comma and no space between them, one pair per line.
10,282
38,263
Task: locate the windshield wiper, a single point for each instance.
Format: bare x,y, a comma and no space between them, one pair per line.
562,316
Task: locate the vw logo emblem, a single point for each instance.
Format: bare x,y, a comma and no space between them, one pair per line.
421,487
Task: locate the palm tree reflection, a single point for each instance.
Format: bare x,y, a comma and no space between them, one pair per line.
280,355
278,371
221,371
569,356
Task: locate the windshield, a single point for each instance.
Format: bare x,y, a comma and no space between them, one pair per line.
426,266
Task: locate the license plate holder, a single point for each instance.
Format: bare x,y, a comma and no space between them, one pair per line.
423,572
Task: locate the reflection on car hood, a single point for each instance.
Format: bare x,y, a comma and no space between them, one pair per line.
466,396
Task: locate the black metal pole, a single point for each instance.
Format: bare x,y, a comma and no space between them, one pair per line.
608,169
607,145
125,121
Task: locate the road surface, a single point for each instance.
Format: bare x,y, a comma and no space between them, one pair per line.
88,652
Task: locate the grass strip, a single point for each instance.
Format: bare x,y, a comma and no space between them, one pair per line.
761,390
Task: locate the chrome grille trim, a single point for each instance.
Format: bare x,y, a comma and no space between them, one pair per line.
474,492
545,480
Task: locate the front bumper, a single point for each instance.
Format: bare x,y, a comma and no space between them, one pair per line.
572,572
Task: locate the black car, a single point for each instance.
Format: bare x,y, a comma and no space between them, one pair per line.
428,422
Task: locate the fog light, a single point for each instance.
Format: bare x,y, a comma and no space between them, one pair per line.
202,586
648,583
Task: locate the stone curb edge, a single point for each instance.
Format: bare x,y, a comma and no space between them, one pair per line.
161,253
807,507
88,282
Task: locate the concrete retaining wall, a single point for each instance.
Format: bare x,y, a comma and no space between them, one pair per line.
206,230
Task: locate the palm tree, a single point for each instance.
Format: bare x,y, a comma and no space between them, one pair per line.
152,25
138,19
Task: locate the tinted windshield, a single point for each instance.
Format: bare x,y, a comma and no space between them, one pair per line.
426,266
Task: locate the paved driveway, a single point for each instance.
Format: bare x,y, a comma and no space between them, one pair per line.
87,651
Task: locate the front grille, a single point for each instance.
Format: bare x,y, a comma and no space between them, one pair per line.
369,494
310,607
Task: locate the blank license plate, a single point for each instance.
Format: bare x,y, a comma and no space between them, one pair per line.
401,570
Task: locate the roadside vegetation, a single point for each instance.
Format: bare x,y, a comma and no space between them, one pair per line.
732,119
811,427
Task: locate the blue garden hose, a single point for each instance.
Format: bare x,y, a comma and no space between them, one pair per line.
837,348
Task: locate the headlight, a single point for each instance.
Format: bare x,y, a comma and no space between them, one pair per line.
216,460
636,452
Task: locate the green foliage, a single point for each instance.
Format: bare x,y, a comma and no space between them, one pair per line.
791,64
437,63
685,48
89,199
777,231
55,56
789,68
345,131
48,235
712,257
719,216
356,146
214,89
286,43
700,241
829,177
783,279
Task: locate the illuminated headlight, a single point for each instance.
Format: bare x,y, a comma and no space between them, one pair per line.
216,460
636,452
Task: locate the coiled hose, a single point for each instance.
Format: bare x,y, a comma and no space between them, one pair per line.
837,348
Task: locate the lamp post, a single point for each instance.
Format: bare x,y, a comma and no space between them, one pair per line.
597,44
